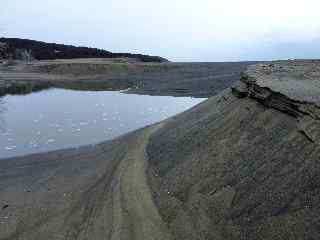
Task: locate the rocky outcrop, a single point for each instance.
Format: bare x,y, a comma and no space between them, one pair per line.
290,87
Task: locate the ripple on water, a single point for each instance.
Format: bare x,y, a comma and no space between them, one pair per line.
77,118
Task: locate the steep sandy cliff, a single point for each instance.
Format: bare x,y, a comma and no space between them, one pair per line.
244,164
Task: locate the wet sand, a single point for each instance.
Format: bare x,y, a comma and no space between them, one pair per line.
173,79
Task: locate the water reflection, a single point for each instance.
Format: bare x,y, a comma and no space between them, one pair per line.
57,118
2,109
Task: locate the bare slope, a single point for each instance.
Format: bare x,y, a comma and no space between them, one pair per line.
242,165
98,192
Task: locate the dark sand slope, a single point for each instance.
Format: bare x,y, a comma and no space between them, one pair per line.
96,192
242,165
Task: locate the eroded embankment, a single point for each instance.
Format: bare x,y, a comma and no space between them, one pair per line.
293,89
244,164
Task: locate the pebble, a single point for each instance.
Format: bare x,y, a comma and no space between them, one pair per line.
5,206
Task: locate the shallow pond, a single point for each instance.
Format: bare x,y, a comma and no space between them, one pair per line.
57,119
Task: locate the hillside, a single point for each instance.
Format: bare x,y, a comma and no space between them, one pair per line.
242,165
50,51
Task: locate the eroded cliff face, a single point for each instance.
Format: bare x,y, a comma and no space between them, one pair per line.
244,164
290,87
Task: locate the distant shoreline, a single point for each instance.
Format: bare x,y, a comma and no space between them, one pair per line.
172,79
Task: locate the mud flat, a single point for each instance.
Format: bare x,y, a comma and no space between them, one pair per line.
173,79
242,165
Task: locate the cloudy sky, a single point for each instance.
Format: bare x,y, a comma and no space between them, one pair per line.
181,30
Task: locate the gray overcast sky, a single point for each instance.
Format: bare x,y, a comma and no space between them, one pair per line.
181,30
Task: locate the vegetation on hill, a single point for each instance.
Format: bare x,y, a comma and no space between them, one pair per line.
50,51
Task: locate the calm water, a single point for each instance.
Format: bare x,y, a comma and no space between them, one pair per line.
57,118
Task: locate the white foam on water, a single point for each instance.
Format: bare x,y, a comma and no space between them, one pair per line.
88,117
10,147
